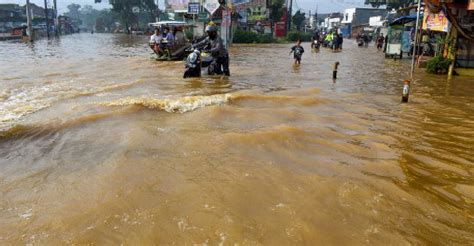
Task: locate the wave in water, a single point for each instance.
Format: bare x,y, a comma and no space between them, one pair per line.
191,103
171,105
178,105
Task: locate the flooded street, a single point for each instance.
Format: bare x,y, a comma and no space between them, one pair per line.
99,144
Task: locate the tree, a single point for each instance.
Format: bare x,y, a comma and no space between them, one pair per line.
276,11
89,16
73,11
391,4
105,21
298,19
124,8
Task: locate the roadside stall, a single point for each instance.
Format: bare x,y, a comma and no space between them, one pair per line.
399,36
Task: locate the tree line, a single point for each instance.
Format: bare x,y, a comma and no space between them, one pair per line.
130,12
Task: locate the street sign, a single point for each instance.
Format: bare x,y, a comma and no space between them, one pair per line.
211,6
178,6
238,2
193,8
136,10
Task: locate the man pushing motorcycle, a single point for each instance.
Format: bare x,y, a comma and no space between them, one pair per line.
216,48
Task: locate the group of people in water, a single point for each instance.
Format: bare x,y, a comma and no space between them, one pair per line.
332,40
363,40
163,43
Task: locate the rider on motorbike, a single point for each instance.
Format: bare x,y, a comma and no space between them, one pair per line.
217,50
315,40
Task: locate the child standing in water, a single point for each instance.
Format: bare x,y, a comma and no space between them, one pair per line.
297,51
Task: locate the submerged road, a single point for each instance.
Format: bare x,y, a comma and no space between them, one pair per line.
100,144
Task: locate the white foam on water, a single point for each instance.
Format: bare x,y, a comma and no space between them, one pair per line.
172,105
27,215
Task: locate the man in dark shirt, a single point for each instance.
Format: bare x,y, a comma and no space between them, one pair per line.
217,50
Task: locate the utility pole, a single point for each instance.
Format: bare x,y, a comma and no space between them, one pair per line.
46,16
415,48
56,21
316,16
28,21
290,15
157,18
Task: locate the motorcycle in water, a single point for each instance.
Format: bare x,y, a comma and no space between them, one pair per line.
198,58
316,44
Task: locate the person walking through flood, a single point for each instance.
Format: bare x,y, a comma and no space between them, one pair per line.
366,40
297,51
338,40
329,39
380,41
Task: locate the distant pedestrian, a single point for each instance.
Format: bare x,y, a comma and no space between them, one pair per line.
380,41
365,38
340,40
297,51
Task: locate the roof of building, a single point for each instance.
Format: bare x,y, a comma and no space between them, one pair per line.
9,6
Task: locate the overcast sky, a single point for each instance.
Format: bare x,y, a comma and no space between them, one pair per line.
324,6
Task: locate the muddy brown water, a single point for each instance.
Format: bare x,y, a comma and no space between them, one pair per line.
102,145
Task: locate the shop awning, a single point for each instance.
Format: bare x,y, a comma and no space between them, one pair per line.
404,19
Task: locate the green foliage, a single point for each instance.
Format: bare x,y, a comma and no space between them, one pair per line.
391,4
438,65
105,19
125,9
189,34
246,37
276,9
73,11
265,38
295,35
298,19
91,17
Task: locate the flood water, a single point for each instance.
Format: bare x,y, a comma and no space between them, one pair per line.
99,144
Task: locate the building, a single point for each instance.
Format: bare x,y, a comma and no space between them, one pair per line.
460,15
256,15
10,16
331,22
356,19
313,21
376,21
10,10
37,12
67,25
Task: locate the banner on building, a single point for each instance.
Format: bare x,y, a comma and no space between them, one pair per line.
178,5
243,14
226,18
435,22
238,2
211,5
